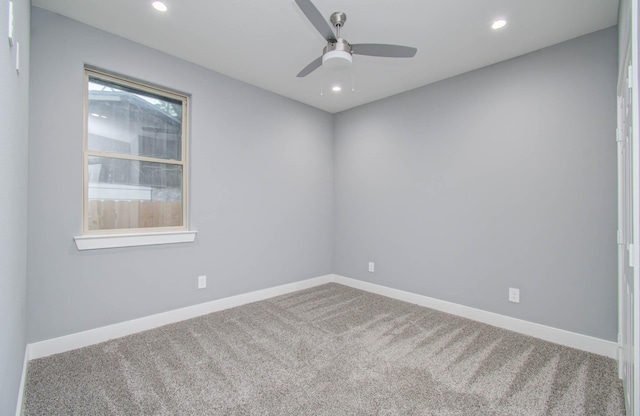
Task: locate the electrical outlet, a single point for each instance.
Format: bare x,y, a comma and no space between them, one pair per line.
514,295
372,267
202,282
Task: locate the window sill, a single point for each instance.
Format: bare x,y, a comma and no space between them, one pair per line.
95,242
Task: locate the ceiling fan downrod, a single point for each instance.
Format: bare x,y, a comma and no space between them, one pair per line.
337,20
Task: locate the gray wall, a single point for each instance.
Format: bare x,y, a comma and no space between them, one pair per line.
501,177
14,135
261,189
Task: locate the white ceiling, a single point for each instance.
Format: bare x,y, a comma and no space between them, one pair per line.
267,42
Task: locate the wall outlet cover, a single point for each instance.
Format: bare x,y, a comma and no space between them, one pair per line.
202,282
514,295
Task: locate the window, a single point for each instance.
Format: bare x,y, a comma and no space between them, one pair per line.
135,149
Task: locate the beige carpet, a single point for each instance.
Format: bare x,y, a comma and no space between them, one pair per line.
329,350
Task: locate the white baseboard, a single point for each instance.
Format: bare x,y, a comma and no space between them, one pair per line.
105,333
23,382
547,333
97,335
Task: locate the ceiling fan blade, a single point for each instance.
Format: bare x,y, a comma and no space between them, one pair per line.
316,19
311,67
389,51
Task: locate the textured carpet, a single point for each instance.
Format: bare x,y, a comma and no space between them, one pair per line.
329,350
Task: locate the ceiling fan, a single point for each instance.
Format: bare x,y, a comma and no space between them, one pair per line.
338,49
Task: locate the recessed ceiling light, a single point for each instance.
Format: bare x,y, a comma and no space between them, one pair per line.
160,6
498,24
336,88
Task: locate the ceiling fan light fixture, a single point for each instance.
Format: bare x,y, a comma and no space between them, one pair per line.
337,60
336,88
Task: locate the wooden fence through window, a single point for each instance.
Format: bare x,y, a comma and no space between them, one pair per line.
107,214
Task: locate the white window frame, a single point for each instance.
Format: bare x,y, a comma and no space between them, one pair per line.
128,237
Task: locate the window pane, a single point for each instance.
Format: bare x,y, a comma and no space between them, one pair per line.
132,194
133,122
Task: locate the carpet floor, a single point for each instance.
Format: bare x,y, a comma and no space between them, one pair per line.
328,350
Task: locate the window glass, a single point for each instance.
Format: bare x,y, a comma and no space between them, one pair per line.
140,124
134,156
